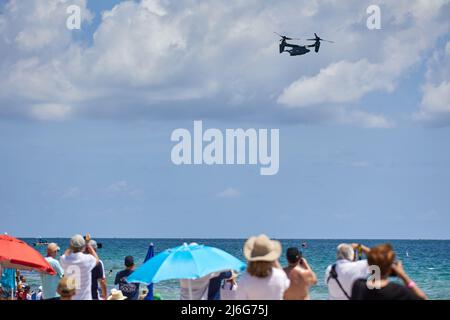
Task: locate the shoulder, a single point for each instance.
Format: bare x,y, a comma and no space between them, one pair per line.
63,259
89,260
303,272
359,283
88,257
358,288
53,262
280,277
245,277
276,272
361,264
401,292
120,274
327,270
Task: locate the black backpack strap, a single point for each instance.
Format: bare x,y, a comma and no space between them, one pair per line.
334,275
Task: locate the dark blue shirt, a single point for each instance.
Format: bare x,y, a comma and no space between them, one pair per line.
130,290
215,284
98,273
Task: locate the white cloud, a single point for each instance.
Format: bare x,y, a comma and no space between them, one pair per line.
435,105
436,99
414,28
339,82
366,120
214,57
122,188
71,193
50,111
229,193
434,109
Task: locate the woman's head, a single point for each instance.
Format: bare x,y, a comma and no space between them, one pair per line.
66,287
382,256
261,248
261,254
259,269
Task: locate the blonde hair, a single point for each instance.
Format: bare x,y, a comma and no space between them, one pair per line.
260,269
66,287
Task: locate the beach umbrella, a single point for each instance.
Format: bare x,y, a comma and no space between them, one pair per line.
16,254
150,254
185,262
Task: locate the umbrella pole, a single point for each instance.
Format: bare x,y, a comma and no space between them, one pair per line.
190,289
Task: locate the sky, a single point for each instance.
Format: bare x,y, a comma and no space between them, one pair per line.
86,118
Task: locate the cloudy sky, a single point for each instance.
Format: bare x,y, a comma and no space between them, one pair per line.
86,117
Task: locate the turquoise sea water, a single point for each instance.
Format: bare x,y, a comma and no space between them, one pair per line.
426,261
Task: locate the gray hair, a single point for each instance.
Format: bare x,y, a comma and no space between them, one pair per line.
345,251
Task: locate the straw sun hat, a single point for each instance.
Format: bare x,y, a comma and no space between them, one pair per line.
116,295
261,248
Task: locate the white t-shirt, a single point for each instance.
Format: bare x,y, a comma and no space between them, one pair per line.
80,265
269,288
198,286
348,272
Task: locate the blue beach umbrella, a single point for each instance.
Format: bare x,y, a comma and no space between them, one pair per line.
185,262
150,254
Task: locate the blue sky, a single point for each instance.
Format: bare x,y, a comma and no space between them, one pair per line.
86,118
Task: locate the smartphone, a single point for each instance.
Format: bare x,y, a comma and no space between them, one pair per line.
300,254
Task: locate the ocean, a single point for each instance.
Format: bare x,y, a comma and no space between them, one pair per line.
426,261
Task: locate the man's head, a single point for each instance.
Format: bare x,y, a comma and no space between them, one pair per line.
77,243
293,255
382,256
129,262
345,251
93,244
52,250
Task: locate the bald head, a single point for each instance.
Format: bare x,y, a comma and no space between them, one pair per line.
52,249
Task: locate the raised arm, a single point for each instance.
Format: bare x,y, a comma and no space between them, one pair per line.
401,273
92,252
310,277
364,249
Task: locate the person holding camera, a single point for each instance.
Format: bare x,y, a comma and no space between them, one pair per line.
339,277
383,257
98,276
78,262
300,274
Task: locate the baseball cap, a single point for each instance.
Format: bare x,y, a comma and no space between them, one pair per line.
77,241
129,261
53,247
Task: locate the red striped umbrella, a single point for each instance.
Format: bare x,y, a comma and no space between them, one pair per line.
16,254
